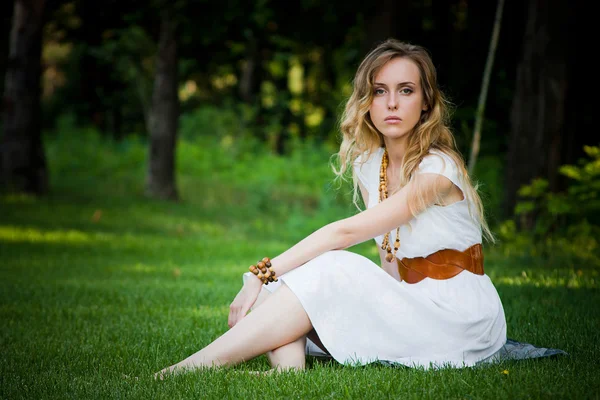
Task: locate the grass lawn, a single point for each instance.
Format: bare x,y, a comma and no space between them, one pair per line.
97,282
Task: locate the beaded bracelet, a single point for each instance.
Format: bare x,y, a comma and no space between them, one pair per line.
264,271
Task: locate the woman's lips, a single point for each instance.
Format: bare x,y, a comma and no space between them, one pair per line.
393,120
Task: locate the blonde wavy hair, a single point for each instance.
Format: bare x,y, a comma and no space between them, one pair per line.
361,137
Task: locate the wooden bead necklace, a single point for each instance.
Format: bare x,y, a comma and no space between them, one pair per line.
383,194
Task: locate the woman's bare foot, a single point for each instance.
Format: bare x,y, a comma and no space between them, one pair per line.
164,373
272,371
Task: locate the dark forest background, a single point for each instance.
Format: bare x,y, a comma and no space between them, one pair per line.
278,73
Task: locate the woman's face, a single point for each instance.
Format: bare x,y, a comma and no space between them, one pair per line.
397,98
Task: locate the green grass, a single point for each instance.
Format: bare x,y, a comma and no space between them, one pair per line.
97,282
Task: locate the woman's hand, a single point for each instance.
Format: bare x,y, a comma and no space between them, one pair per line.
244,300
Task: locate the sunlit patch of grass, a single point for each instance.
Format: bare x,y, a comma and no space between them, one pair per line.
33,235
553,278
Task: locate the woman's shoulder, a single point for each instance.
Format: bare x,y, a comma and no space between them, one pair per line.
439,162
366,165
369,157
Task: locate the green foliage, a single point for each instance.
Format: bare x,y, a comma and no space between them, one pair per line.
217,123
580,201
131,52
83,157
218,162
298,187
488,177
564,224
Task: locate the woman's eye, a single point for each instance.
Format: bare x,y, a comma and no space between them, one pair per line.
379,91
406,91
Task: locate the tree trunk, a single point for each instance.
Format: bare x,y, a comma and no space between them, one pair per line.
22,158
484,88
248,87
539,105
381,25
164,115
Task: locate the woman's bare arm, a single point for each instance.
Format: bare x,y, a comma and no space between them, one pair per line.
366,225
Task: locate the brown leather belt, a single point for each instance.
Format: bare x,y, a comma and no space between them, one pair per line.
443,264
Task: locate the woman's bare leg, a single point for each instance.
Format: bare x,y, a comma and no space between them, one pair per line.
280,320
289,356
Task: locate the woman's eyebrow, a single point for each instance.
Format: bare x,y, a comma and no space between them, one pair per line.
399,84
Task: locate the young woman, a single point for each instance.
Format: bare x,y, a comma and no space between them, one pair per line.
430,303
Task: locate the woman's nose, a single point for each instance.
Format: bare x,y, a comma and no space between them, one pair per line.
392,103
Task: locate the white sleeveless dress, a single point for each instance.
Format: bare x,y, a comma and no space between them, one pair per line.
363,315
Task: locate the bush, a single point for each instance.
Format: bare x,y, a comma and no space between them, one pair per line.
230,171
565,224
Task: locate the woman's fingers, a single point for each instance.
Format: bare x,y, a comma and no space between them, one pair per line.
241,314
232,319
235,315
242,303
238,313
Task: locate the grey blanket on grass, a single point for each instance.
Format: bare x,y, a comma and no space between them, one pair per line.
512,350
